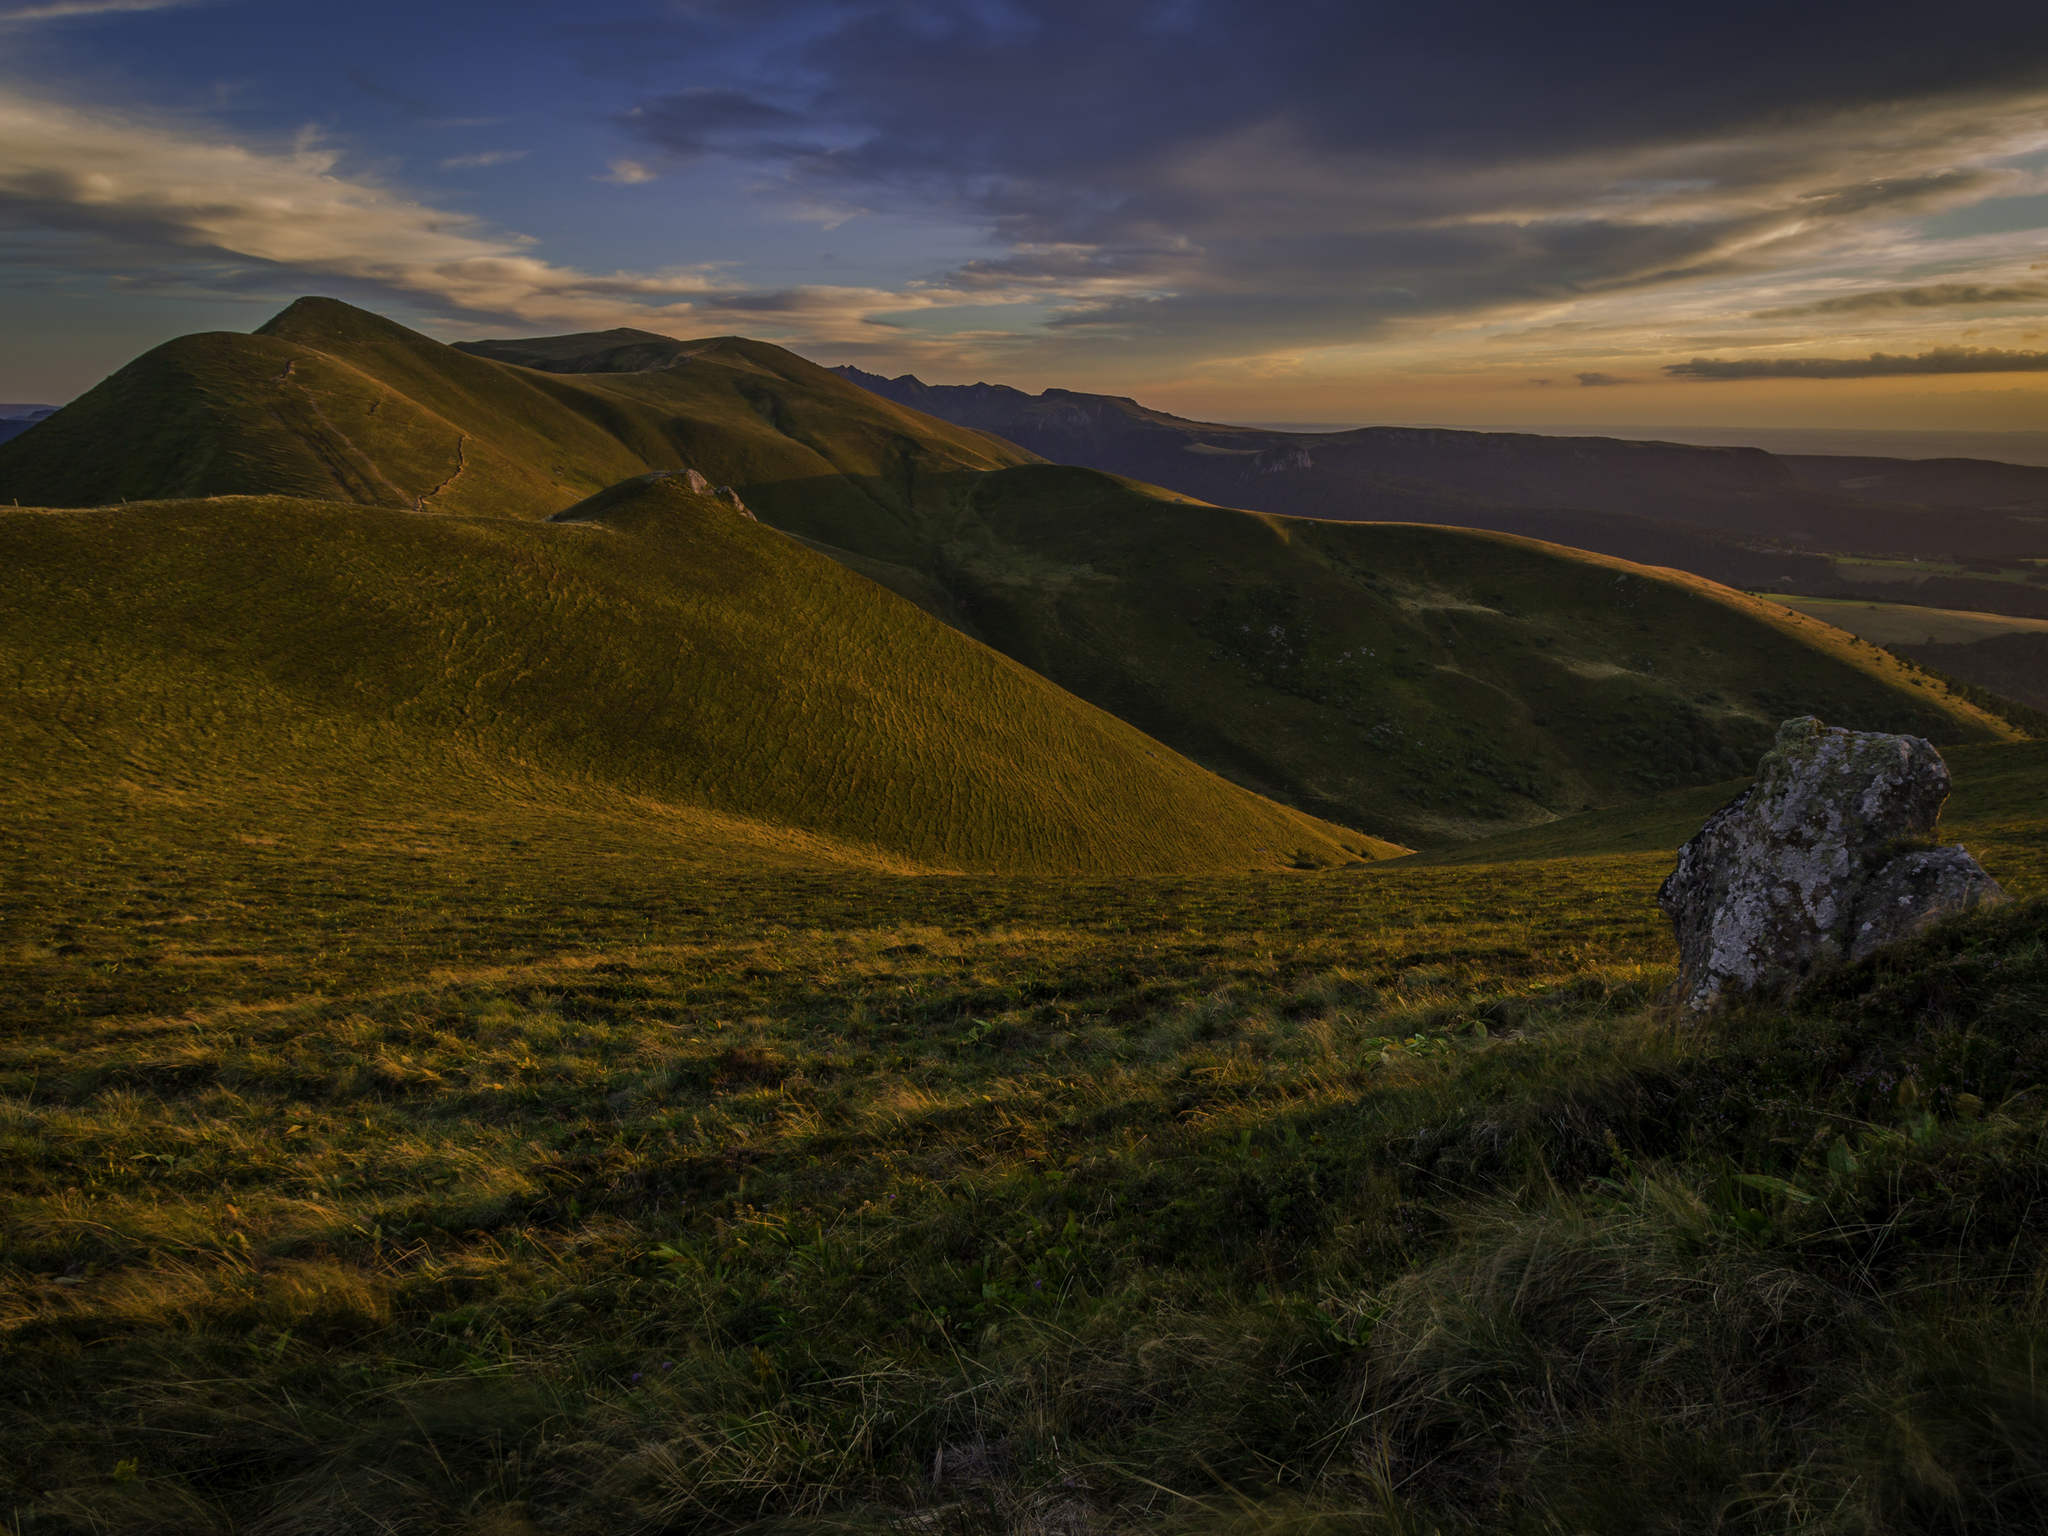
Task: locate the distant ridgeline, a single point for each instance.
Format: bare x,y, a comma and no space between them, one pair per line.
1739,515
1423,684
17,419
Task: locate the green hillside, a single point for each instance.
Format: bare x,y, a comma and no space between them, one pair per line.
661,666
333,403
1429,683
1425,683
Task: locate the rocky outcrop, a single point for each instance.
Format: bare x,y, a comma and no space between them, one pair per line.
725,493
1827,857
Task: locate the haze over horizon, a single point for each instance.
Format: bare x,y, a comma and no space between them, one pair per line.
1617,220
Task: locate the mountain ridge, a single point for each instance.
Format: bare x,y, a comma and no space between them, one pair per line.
1725,500
1421,682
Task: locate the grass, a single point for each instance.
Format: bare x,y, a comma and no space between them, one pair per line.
515,1026
1430,684
1425,685
1907,624
1997,809
1862,568
332,403
350,1189
309,673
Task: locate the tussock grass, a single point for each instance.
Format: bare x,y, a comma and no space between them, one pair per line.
1339,1202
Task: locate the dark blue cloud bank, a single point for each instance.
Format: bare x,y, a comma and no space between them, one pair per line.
1253,174
1070,190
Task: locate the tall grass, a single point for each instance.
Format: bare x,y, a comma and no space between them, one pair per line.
512,1195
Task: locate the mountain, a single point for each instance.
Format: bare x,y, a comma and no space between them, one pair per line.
653,659
17,419
1426,684
330,402
1717,505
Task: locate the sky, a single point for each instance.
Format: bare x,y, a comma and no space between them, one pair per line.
1827,215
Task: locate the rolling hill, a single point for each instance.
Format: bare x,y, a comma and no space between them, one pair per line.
1424,683
330,402
654,666
1429,683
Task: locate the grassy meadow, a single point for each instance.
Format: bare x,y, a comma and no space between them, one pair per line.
543,1183
534,1003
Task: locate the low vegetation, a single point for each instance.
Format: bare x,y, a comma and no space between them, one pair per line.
622,1023
502,1187
1908,623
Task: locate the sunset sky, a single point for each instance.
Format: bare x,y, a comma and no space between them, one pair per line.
1744,214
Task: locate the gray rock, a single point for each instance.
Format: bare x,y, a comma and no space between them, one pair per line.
1827,857
696,484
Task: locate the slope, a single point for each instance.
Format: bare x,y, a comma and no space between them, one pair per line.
661,666
1425,685
333,403
1429,683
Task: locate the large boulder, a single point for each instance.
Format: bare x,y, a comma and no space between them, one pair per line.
1828,856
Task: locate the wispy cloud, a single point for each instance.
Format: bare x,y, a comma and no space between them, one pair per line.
1878,365
1922,296
482,159
78,10
141,196
629,173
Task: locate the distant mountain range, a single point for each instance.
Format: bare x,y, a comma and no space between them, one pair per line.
1738,515
16,419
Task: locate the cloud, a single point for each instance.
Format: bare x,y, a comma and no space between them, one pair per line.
79,10
1365,171
1878,365
157,204
1922,296
691,123
1163,185
1593,380
483,159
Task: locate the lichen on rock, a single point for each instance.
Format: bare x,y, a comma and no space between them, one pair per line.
1828,856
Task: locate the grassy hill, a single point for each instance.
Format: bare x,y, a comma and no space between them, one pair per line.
330,402
304,672
1427,684
614,1021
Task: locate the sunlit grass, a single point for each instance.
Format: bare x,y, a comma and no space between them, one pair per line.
513,1191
